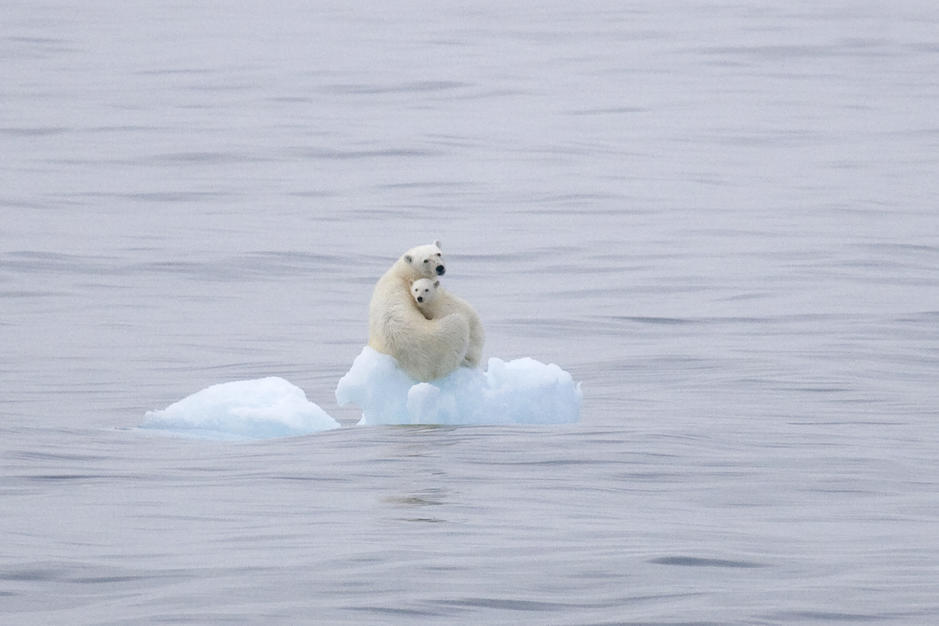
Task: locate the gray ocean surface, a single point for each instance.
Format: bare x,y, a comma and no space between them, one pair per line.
721,217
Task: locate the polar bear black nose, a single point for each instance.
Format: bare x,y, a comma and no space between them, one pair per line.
420,298
441,270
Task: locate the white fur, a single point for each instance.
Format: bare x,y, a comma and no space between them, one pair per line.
436,302
425,349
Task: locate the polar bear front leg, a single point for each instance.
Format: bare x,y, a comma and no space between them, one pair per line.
434,348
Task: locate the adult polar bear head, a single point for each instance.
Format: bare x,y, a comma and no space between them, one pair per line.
425,349
426,260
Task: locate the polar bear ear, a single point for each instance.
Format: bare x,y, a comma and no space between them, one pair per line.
437,243
408,258
436,283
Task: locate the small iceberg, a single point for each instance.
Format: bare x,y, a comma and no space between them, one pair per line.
247,409
522,391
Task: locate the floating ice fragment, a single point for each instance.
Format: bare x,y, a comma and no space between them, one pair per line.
245,409
523,391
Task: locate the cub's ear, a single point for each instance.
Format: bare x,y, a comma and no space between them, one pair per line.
407,258
436,283
437,243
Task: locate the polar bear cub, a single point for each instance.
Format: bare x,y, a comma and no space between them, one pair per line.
435,302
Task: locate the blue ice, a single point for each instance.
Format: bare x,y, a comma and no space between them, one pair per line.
522,391
244,409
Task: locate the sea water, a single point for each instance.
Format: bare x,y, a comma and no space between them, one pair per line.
720,218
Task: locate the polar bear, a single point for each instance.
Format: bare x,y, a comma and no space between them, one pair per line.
425,349
435,302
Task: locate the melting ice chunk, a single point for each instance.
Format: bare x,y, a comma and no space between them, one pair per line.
245,409
523,391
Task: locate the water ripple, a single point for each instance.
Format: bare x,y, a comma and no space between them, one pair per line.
690,561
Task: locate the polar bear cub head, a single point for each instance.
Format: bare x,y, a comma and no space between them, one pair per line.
426,260
424,291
